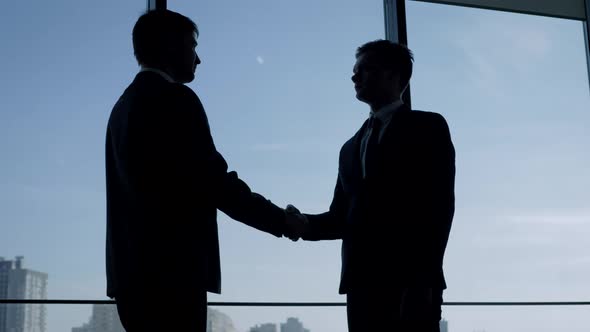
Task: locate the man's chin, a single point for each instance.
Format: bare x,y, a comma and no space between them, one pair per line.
360,97
187,79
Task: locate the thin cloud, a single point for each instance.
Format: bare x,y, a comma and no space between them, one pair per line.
497,48
529,230
266,147
260,60
564,220
524,40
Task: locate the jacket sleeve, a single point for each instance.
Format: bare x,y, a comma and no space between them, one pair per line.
432,201
329,225
187,168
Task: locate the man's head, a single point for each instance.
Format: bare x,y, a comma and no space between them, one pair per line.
166,40
382,72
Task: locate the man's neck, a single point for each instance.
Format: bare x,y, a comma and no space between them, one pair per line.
378,105
161,72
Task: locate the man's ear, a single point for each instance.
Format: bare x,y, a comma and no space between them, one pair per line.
395,78
392,75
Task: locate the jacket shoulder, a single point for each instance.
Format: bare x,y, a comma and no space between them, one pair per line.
427,120
427,116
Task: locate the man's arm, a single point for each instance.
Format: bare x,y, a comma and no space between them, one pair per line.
433,200
431,220
328,225
233,196
187,168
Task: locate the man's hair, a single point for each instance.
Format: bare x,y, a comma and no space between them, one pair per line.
156,28
390,55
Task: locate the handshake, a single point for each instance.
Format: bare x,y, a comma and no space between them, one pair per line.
296,223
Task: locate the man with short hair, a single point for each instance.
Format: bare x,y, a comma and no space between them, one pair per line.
165,182
394,202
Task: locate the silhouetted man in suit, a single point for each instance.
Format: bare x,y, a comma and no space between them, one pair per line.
165,182
393,204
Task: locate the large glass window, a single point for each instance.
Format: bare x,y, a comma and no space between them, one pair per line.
275,83
64,64
514,89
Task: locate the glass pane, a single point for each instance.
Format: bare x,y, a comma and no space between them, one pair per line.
275,83
274,78
514,89
63,63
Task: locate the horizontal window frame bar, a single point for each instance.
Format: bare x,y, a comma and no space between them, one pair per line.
305,304
516,11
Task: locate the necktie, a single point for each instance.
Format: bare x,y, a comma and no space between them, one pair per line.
374,128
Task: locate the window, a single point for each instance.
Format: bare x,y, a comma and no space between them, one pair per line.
275,83
514,89
64,63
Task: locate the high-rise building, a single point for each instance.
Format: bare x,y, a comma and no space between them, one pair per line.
217,321
104,318
268,327
293,325
83,328
16,282
5,266
444,325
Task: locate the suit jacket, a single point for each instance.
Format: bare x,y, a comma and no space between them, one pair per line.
395,222
165,182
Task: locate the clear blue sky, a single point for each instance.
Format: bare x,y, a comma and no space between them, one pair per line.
275,81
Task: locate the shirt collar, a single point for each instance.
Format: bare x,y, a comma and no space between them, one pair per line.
386,112
157,71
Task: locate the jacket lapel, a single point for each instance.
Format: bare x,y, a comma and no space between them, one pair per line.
395,126
388,148
350,159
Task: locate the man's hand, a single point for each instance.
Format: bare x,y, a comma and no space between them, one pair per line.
296,223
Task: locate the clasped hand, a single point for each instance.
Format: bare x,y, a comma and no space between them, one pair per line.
296,223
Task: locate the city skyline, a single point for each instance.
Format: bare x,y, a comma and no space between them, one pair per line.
104,317
292,324
16,282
